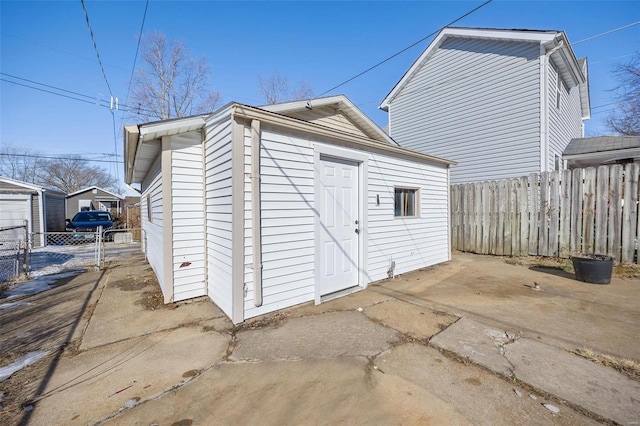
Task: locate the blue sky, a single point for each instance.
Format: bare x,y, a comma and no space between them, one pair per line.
324,43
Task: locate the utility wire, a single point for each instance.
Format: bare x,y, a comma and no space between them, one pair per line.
607,32
59,89
135,58
405,49
45,157
95,46
46,85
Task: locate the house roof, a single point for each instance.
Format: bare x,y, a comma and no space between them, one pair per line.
28,186
339,103
92,188
142,143
611,144
555,43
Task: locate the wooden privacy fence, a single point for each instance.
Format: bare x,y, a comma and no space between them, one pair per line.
556,213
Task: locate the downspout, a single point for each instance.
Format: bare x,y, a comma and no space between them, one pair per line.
256,230
203,138
544,105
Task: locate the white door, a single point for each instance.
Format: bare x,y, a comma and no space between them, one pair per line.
338,209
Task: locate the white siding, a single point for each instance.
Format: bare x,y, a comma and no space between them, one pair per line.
152,191
411,243
187,200
218,196
286,183
287,208
476,102
329,117
564,123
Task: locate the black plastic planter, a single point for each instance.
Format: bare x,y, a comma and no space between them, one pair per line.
594,269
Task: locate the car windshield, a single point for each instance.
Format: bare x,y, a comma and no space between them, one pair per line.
92,217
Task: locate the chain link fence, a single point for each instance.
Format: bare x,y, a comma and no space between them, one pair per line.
37,254
14,252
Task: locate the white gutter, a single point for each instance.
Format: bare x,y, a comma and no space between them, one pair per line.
256,231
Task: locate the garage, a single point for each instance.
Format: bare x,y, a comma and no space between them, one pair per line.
42,208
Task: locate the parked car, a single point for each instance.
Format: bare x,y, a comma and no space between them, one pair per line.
86,223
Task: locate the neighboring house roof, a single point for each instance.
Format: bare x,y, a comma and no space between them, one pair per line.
601,144
27,186
555,43
339,103
143,143
592,152
92,188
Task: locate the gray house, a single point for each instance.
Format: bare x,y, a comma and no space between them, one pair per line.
502,103
94,198
42,208
601,150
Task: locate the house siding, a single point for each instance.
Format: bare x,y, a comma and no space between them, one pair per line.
218,200
151,198
288,241
475,102
411,243
187,216
564,123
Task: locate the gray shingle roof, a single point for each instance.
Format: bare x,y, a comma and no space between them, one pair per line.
601,144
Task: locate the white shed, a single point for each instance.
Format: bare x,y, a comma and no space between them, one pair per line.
265,208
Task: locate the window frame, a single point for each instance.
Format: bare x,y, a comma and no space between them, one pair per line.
415,191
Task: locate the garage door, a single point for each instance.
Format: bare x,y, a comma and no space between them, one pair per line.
13,212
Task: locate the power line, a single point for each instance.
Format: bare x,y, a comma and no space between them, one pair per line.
54,93
47,85
405,49
96,101
607,32
135,58
95,46
71,158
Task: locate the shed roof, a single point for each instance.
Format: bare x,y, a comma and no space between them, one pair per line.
141,142
579,146
341,104
28,186
94,187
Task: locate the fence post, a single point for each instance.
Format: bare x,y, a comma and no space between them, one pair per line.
25,257
98,248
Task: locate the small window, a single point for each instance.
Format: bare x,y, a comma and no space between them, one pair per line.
149,213
405,202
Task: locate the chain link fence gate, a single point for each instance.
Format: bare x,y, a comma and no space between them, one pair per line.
118,243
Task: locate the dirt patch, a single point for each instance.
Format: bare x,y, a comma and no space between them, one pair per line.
153,299
263,321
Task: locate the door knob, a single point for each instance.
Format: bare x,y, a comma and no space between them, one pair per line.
357,231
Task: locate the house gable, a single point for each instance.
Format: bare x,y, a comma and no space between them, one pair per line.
335,112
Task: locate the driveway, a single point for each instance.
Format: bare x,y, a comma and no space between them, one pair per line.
501,292
387,355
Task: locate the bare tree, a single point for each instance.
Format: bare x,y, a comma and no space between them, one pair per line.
172,82
276,88
19,163
72,173
625,118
